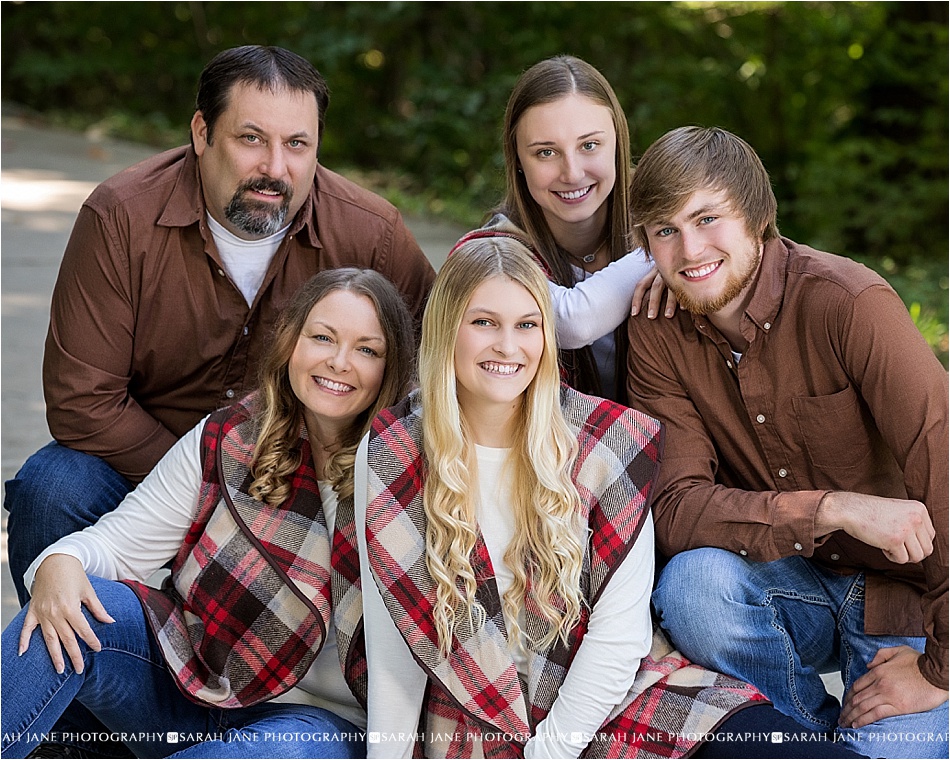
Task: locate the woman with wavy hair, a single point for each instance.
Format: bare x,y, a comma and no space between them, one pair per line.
568,165
253,647
508,536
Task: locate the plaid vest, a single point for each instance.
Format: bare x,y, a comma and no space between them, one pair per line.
476,703
253,588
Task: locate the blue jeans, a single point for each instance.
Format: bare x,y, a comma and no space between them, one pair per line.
128,687
779,625
57,492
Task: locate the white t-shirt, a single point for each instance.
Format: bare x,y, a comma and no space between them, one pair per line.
620,631
148,528
245,261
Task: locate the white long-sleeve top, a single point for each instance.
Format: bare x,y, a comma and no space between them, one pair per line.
619,634
148,528
599,302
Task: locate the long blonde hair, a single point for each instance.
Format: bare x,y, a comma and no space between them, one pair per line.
547,552
280,415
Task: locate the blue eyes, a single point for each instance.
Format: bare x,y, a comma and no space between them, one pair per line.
257,140
667,231
489,323
366,350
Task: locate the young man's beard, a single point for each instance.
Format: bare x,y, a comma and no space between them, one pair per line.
733,288
258,218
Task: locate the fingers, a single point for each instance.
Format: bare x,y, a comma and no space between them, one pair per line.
60,629
916,545
869,711
880,657
95,607
640,290
53,646
671,303
29,625
61,634
657,289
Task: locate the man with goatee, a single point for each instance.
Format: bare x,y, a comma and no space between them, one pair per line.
173,277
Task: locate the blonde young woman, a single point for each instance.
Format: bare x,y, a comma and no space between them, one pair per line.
253,647
507,556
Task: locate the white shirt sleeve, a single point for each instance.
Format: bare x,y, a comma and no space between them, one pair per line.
149,525
620,631
396,681
598,304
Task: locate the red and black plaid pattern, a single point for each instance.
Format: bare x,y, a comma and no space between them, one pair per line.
252,590
475,702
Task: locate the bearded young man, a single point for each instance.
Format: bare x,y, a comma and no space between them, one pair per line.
172,280
802,497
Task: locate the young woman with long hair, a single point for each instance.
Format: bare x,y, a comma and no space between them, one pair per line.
567,172
507,556
256,636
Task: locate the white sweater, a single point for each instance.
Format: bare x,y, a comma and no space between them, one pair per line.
619,635
598,303
148,528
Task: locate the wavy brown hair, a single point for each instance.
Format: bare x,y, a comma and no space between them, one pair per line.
276,456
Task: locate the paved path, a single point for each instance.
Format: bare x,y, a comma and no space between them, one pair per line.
46,174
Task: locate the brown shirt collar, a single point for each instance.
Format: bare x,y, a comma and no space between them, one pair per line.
186,205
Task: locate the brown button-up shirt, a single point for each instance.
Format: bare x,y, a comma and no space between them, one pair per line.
148,333
837,391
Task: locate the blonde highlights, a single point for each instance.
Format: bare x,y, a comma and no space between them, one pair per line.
280,415
547,552
688,159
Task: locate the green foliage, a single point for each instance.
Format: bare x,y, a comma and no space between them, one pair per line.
845,102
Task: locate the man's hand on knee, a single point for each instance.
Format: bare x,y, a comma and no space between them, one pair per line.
901,528
892,686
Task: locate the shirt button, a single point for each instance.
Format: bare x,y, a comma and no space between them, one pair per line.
246,331
743,552
760,419
835,557
729,364
221,272
798,547
229,393
767,325
782,473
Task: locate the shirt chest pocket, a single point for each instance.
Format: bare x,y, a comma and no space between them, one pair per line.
836,430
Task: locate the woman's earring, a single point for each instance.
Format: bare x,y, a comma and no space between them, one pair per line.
520,170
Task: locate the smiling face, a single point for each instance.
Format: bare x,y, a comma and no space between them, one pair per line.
499,346
337,367
567,149
258,169
705,253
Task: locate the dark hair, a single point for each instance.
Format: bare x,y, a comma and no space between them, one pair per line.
702,158
270,68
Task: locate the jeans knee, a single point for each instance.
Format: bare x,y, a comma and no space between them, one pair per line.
58,491
704,577
701,586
